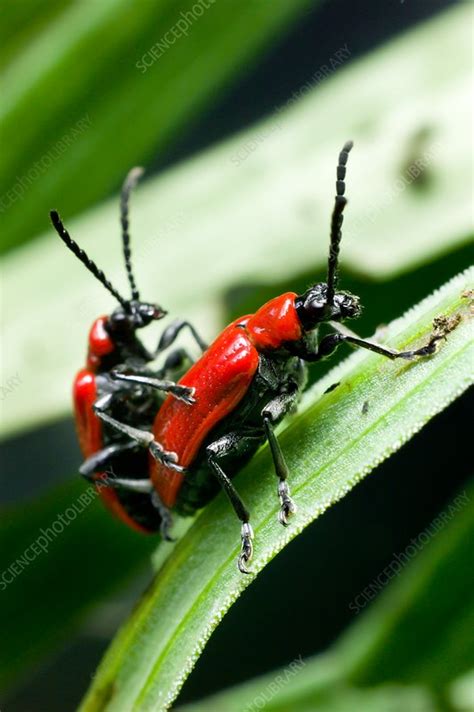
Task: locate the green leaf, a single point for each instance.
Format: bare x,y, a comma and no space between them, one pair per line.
335,698
461,693
333,443
210,225
128,111
376,662
68,532
22,22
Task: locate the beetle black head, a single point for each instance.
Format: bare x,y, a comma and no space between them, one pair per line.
125,320
313,306
132,313
321,302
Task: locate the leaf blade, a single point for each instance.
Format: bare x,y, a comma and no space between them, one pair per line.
157,648
404,612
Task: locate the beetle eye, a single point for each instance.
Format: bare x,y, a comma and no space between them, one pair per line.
350,306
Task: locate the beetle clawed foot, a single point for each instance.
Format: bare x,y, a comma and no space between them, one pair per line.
246,551
442,326
165,527
166,517
184,393
167,458
288,506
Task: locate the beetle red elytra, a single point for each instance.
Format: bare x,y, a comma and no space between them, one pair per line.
223,407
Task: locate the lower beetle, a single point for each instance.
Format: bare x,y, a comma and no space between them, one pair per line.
113,346
249,378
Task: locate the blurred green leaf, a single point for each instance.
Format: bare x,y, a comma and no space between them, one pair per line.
210,224
335,698
113,110
403,653
461,692
22,21
336,440
45,592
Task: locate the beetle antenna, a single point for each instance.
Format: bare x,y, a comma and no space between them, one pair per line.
129,184
83,257
336,221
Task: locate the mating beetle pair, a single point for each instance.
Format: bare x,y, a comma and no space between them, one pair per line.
170,444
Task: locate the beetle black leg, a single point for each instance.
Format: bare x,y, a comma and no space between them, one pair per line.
171,332
246,532
426,350
329,344
180,392
145,439
441,327
143,486
273,412
175,360
104,458
288,507
104,401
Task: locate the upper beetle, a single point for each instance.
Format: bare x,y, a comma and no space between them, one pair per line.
249,378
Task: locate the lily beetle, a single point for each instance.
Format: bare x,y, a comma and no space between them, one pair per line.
113,345
241,387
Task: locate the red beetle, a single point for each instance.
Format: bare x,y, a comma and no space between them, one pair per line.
243,384
113,344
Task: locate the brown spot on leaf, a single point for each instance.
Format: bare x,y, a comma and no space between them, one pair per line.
443,325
